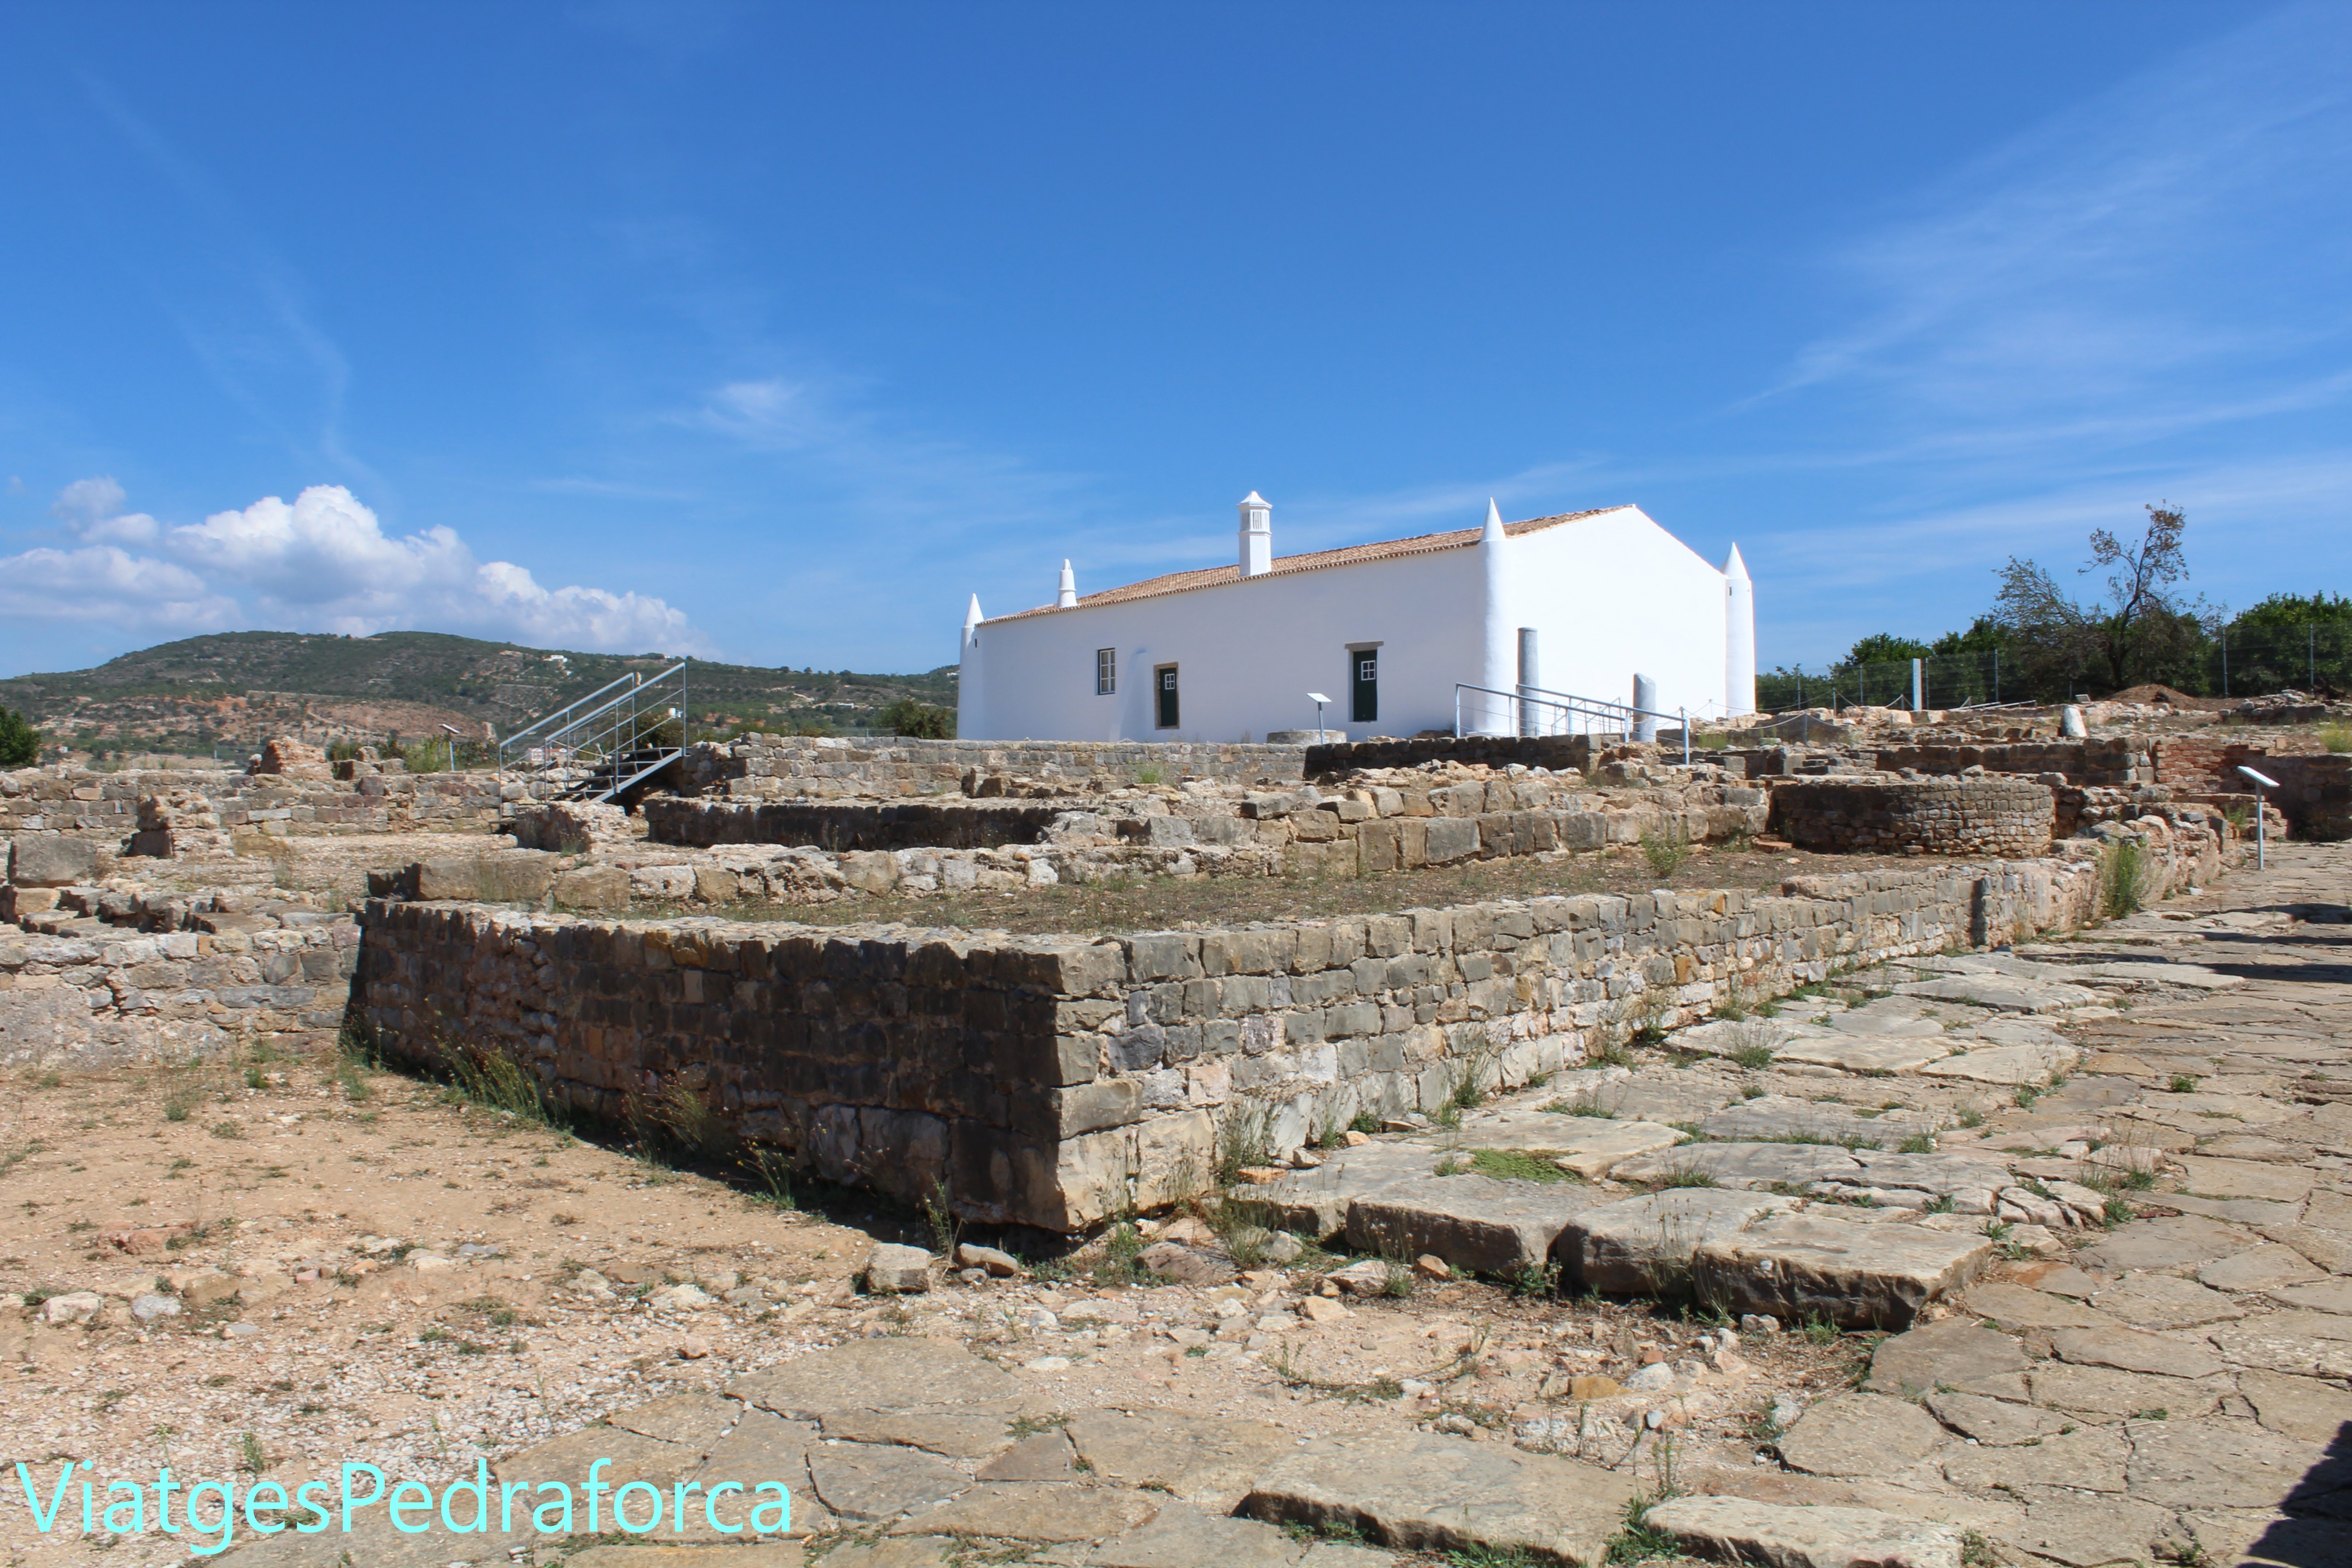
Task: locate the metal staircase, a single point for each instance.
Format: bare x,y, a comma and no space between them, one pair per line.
606,743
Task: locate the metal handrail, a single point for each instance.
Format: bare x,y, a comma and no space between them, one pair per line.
1571,708
595,755
632,679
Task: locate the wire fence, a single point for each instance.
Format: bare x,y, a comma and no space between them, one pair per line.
2255,661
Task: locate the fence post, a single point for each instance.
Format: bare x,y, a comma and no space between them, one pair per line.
1996,677
1918,686
2312,652
2225,661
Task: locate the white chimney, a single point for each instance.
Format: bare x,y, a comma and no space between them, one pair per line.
1068,592
1257,536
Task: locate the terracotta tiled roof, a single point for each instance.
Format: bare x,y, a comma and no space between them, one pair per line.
1313,560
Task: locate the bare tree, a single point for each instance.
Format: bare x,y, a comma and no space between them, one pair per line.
2142,630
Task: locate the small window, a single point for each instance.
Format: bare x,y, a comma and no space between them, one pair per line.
1364,685
1106,671
1163,680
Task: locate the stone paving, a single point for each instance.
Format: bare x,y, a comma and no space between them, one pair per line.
2096,1194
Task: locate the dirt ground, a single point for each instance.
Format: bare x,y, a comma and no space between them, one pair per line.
375,1269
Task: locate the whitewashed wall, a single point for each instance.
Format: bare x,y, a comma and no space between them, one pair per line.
1607,595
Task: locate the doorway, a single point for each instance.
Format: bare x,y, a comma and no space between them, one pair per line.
1164,696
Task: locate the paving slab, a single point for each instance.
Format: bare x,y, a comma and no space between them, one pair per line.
1589,1145
2091,1458
2189,1241
1730,1036
1427,1492
2245,1179
1773,1117
2165,1301
1734,1529
1892,1175
1315,1202
2002,994
1474,1223
2109,1394
2327,1251
1038,1511
1866,1274
2003,1067
2086,1532
2307,1344
2219,1463
751,1554
1859,1053
899,1552
872,1481
2303,1409
1203,1459
1643,1246
1861,1435
959,1431
2260,1268
764,1446
2319,1295
697,1418
893,1374
2018,1307
1997,1423
1943,1354
1745,1166
635,1458
2130,1349
1186,1538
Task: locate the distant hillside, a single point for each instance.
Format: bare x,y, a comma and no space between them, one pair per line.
237,687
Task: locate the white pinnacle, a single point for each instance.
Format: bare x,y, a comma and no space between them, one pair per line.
1492,533
1068,592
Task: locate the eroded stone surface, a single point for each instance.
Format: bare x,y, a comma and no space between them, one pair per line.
1798,1266
1734,1529
1861,1435
1473,1222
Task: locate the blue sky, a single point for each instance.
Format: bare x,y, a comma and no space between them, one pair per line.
775,331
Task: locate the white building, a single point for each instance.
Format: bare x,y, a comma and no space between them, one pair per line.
1387,631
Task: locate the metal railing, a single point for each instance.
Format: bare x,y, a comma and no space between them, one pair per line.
1532,710
613,738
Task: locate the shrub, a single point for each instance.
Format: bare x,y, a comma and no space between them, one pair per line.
2123,878
20,743
1666,851
923,720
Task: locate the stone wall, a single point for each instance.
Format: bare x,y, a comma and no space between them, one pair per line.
2315,793
210,980
1553,751
782,766
2113,760
1052,1081
1943,816
105,806
850,825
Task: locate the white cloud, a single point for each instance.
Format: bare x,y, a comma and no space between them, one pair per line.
92,509
320,563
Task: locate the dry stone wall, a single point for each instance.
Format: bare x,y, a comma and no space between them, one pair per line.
1053,1082
776,767
1943,816
171,979
105,806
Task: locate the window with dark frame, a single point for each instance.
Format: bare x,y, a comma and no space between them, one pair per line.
1106,671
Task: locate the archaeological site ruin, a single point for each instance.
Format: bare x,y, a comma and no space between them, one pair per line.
1973,1050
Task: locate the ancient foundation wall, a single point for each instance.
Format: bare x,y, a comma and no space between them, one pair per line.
2315,793
1053,1082
2114,759
1554,752
848,825
1943,816
105,806
130,996
782,766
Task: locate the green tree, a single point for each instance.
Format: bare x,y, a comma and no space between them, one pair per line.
2143,629
922,721
20,743
1883,648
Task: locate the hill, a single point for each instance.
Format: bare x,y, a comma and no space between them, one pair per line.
232,689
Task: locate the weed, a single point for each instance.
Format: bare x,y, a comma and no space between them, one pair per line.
1918,1143
938,1213
1364,1121
1585,1104
1755,1058
255,1078
1820,1331
1972,1118
2123,878
1536,1280
1666,850
228,1130
496,1081
771,1168
1685,1177
1635,1542
1245,1139
2183,1084
1518,1165
684,1119
1976,1551
2025,1096
177,1104
250,1455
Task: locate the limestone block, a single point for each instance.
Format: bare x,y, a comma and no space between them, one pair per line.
1643,1246
598,888
1734,1529
1474,1223
52,860
1869,1274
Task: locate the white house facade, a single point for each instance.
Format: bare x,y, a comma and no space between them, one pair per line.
1387,631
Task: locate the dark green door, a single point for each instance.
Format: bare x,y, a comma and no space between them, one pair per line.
1364,685
1164,695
